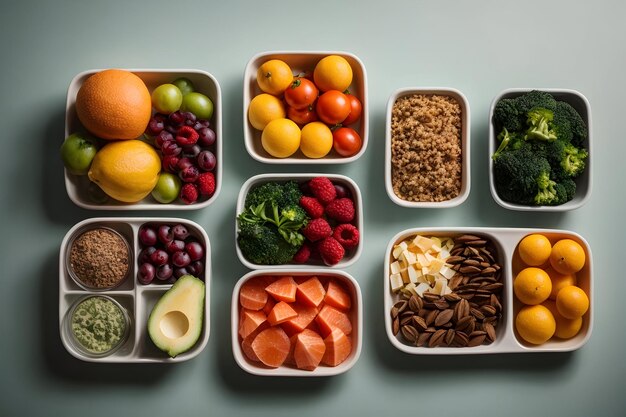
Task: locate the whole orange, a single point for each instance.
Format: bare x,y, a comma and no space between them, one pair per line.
114,104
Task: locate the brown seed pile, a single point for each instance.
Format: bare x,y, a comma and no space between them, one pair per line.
426,148
466,317
99,258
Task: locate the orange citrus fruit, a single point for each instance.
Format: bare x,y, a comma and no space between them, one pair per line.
332,73
567,256
274,76
114,104
559,281
316,140
263,109
281,138
565,328
535,324
532,286
534,249
572,302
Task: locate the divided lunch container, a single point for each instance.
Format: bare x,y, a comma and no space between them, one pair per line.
507,340
137,299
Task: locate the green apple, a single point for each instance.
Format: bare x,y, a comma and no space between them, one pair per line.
167,98
184,85
198,104
77,152
167,188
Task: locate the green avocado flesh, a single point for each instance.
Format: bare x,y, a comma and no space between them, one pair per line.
175,323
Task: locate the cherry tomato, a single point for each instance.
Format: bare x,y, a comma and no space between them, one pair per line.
346,141
302,116
301,93
333,107
355,110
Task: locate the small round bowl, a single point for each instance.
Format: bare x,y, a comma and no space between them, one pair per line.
465,147
73,274
77,346
584,183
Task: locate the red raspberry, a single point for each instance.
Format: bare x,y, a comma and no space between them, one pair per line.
206,183
312,206
317,229
186,136
331,251
303,254
323,189
347,235
341,210
189,193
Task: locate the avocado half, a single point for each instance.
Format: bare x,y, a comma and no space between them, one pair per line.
175,323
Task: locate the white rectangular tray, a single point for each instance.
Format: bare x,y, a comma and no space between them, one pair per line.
137,298
505,241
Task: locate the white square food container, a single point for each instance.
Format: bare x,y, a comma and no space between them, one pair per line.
204,83
136,298
505,241
465,146
301,62
356,318
351,256
584,182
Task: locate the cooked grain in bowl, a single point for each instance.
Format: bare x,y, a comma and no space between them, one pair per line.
426,147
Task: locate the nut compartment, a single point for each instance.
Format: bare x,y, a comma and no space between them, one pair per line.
506,241
138,299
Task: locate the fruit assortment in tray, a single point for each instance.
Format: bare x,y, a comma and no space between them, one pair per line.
143,139
109,312
137,289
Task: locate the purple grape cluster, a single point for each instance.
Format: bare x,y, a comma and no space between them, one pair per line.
186,144
167,253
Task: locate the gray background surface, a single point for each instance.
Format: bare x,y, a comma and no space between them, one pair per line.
479,47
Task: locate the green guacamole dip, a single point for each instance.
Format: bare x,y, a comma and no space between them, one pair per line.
98,324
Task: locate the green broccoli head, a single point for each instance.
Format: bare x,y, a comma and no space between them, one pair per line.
270,191
566,160
512,113
263,245
539,121
516,173
547,194
291,194
568,124
573,162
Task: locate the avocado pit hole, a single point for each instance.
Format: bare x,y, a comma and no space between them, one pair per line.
174,324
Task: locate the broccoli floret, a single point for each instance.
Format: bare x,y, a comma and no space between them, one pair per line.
547,194
516,173
512,113
262,244
573,162
270,191
508,141
290,194
569,124
566,160
569,188
539,121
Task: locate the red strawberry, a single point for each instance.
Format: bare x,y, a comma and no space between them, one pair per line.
189,193
323,189
186,136
331,251
312,206
317,229
341,210
347,235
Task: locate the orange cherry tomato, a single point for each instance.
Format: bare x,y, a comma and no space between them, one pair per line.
301,93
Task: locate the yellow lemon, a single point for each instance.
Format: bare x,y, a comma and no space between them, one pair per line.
572,302
534,249
532,286
281,138
535,324
332,73
263,109
317,140
126,170
565,328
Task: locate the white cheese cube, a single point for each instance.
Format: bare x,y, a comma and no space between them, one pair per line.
396,282
421,260
395,267
413,274
405,276
447,272
423,243
408,257
422,288
398,249
435,265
